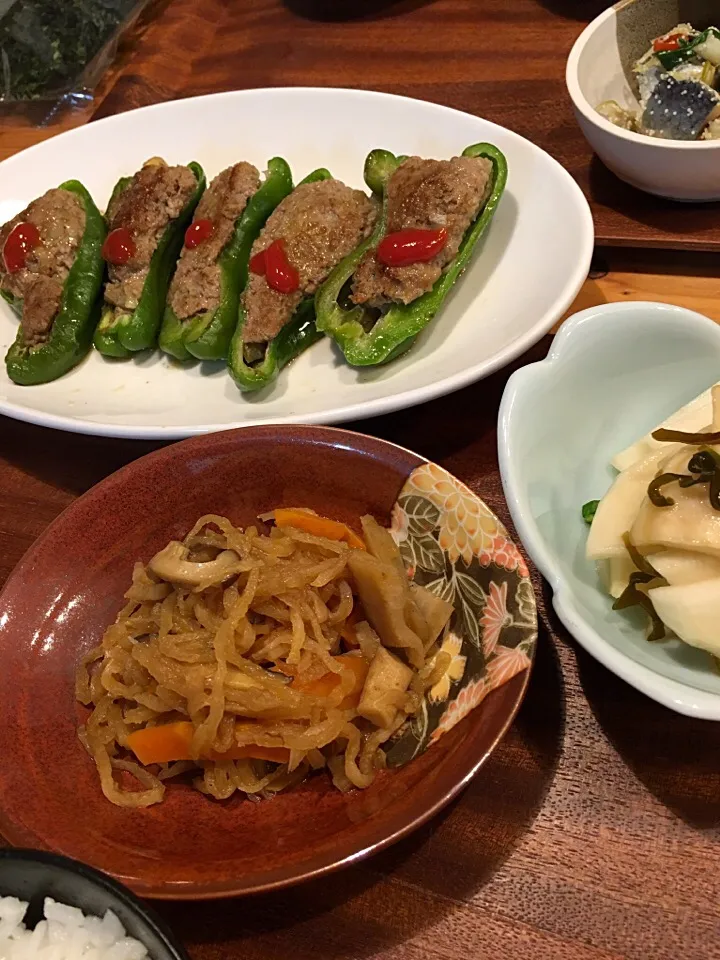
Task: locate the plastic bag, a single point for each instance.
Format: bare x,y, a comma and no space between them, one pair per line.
54,52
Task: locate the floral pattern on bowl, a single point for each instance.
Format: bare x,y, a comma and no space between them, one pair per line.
454,545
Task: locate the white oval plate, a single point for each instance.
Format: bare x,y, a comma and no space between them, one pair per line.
613,373
528,270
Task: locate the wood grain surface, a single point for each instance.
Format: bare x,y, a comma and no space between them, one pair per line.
593,831
687,280
503,61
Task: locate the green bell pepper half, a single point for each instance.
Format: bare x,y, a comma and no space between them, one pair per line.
363,341
72,330
297,335
121,336
106,342
207,336
380,165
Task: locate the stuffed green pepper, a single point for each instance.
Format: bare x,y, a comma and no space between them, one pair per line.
51,272
309,232
391,286
202,308
146,220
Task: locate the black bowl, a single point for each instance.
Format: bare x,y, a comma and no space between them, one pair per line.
32,875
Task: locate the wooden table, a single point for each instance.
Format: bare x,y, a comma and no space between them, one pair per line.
593,831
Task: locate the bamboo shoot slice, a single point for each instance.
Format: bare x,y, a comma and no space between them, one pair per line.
692,417
691,612
680,567
616,574
618,509
690,524
387,679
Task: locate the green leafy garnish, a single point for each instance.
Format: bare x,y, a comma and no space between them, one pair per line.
589,510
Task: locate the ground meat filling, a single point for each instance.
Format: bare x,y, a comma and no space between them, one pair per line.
320,224
424,194
59,216
155,196
195,288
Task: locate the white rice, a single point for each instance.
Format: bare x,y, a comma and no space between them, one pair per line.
65,934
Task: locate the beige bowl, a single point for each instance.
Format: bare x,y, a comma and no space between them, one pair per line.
599,68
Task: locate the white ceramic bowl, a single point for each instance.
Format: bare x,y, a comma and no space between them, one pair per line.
613,373
670,168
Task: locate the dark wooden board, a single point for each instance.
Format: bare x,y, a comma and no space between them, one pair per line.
498,59
593,832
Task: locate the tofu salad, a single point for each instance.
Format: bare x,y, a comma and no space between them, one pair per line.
678,84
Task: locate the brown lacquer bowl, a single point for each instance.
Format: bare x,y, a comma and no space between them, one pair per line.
70,585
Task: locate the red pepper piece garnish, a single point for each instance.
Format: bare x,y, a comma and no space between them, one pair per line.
198,232
281,274
119,247
22,239
258,265
411,246
667,43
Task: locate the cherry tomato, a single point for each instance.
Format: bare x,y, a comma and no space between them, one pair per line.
280,273
667,43
257,264
411,246
22,239
119,247
198,232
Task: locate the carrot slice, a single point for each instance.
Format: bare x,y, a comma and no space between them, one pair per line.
171,741
287,669
323,686
318,526
163,744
